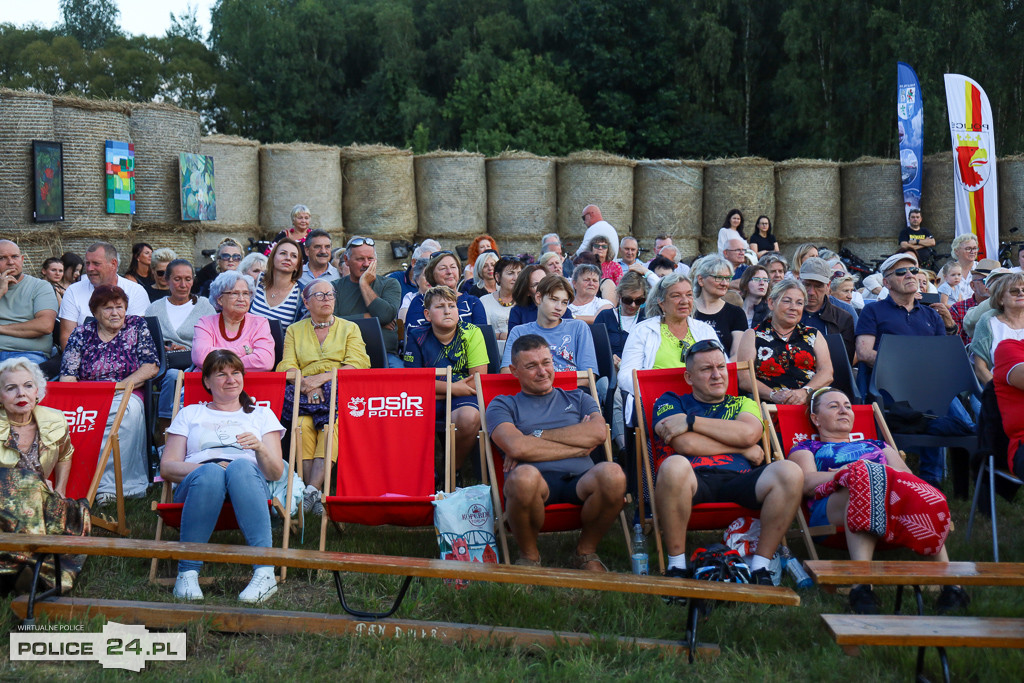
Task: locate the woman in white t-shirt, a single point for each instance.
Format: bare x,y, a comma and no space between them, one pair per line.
227,449
586,280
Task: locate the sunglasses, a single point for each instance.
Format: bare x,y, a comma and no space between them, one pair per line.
599,246
442,253
629,301
1015,292
159,273
360,241
900,272
702,346
230,257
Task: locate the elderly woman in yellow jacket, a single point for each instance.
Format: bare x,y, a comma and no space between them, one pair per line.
34,442
318,345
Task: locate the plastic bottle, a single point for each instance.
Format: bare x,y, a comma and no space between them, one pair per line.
795,569
639,551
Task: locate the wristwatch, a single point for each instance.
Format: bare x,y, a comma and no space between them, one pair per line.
690,419
538,432
808,390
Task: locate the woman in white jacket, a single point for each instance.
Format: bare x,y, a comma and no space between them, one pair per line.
661,340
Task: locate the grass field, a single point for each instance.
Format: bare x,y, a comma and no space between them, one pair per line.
758,643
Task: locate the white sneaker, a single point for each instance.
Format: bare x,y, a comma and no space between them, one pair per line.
186,586
105,499
262,586
311,501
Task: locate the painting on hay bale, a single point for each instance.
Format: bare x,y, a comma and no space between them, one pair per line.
198,200
120,167
48,176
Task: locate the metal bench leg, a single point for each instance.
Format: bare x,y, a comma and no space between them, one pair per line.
992,501
977,491
919,597
371,615
692,616
33,596
943,660
899,600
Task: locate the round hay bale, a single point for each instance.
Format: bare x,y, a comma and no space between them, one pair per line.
1011,197
807,202
872,197
160,132
299,173
747,184
596,178
38,246
938,206
236,167
521,195
379,191
83,127
451,194
24,117
668,197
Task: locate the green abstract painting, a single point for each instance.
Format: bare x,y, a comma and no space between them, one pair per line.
198,200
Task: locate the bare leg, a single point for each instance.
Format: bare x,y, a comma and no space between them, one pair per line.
674,491
602,490
467,428
860,544
525,493
780,491
313,473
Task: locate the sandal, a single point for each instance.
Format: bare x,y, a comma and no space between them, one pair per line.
526,562
581,561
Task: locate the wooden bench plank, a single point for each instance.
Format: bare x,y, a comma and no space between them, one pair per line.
278,622
919,573
852,630
401,566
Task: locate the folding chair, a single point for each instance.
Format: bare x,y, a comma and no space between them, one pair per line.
493,354
794,425
385,425
559,516
266,389
605,365
86,406
373,339
648,386
842,372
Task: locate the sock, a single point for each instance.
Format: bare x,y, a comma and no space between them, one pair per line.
759,562
677,561
310,487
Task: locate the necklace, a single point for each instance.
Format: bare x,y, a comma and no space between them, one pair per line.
224,332
321,326
18,424
506,305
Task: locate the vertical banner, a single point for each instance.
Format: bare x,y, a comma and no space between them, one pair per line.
910,128
974,161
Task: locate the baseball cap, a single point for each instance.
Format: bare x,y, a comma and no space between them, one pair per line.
986,266
891,262
816,269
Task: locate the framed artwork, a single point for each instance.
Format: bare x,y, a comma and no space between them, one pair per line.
120,167
198,200
48,180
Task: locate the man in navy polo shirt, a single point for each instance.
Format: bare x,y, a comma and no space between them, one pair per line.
707,450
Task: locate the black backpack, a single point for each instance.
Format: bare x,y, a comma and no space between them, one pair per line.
719,563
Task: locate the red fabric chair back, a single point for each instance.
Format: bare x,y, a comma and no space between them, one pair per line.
265,388
795,425
86,406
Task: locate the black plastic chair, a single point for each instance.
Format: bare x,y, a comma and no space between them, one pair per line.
277,332
373,338
149,392
493,355
605,364
842,373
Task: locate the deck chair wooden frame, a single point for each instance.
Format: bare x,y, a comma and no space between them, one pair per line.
227,520
491,467
864,415
110,446
448,435
712,511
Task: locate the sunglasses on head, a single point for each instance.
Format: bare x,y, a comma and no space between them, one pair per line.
702,346
442,253
818,393
900,272
629,301
360,241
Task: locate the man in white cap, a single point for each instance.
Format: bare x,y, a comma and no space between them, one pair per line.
596,225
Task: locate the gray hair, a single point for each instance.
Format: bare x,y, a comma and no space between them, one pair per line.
12,364
307,291
675,250
783,286
545,257
426,248
584,268
109,250
418,266
299,208
250,260
838,282
174,263
963,239
550,238
773,257
706,266
481,260
657,295
348,248
225,281
629,238
164,255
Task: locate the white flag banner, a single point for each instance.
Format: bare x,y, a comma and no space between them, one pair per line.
974,161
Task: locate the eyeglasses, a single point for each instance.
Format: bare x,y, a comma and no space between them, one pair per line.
629,301
719,278
900,272
360,241
230,257
159,273
1015,292
702,346
760,280
970,248
322,296
238,295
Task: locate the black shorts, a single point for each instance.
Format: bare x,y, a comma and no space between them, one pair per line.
562,487
723,486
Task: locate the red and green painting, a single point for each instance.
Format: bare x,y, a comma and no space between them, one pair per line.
48,177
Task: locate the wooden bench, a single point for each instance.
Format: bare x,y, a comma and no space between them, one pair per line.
167,615
852,631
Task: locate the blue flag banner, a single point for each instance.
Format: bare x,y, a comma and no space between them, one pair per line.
910,124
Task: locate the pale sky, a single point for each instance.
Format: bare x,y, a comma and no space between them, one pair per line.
151,17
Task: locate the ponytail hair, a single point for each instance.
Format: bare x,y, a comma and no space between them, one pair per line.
219,359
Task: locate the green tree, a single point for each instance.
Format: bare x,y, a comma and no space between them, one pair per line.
90,22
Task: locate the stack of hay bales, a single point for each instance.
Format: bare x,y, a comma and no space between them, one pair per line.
24,117
807,203
161,133
451,197
236,168
747,184
668,197
379,197
1011,198
873,210
521,200
596,178
299,173
938,206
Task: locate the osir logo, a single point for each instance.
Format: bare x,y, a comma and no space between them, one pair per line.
402,405
80,420
356,406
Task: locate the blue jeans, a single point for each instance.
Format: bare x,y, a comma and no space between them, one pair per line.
204,491
165,401
395,362
34,356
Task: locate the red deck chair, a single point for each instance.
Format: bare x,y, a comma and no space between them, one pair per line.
266,389
558,517
86,406
794,425
648,386
386,429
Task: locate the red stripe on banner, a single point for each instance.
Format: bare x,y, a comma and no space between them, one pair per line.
976,118
978,199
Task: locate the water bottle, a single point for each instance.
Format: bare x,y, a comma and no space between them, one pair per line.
639,551
795,569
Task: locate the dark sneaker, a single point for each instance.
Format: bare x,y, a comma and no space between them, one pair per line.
676,572
863,600
761,577
952,598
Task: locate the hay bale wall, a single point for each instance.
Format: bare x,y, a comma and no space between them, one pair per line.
160,132
1011,198
451,195
379,192
596,178
522,197
24,117
236,167
938,207
668,197
747,184
807,202
872,198
298,173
